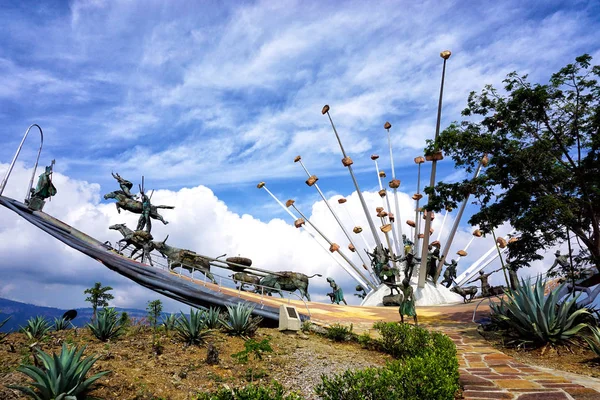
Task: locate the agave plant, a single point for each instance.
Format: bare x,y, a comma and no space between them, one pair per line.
169,322
106,325
37,328
63,375
593,340
60,324
192,330
3,335
530,317
213,319
239,320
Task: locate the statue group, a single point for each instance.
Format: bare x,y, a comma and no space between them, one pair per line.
44,190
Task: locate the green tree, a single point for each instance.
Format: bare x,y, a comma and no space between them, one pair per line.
98,296
543,176
154,309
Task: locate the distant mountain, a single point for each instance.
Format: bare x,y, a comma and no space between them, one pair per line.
21,312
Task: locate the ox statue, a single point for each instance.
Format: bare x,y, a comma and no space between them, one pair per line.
185,259
287,280
469,291
245,278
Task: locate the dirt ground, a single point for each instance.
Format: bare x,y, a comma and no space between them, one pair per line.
297,362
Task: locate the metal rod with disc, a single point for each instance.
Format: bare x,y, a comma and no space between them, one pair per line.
394,184
435,157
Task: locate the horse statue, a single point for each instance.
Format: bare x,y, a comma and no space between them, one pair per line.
140,240
135,206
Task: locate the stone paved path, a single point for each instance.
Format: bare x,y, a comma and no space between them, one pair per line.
485,373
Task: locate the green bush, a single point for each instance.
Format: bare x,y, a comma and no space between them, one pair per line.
63,376
106,326
193,330
255,348
339,333
169,322
527,316
37,328
251,392
239,320
427,371
401,340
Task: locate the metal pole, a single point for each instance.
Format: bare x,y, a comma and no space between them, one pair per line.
262,185
422,273
389,207
299,159
338,250
417,220
461,210
387,127
14,160
360,196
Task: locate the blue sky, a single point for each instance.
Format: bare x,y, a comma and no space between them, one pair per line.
226,94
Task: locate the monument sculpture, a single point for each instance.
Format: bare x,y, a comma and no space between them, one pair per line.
183,258
43,190
486,289
450,273
286,280
407,305
140,240
337,295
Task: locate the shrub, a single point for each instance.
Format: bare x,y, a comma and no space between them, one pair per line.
239,320
401,340
527,316
213,319
60,324
36,328
306,326
251,392
429,371
339,333
193,330
106,326
255,348
63,376
365,340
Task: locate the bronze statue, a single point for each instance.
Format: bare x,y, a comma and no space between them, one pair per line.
485,286
379,258
410,262
450,273
135,206
140,240
185,259
290,281
407,306
470,291
362,293
125,185
44,189
562,260
433,257
338,293
408,244
145,220
245,278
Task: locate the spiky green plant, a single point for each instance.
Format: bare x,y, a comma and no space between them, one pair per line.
37,328
169,322
106,325
63,376
239,320
527,316
192,331
212,318
3,335
60,324
593,340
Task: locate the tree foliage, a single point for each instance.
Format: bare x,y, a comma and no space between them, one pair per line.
543,176
98,296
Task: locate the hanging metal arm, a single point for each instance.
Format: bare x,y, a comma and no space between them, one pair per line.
14,160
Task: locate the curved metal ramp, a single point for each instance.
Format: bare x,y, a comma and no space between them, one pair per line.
168,283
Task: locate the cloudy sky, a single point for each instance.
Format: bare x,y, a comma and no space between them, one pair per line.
206,99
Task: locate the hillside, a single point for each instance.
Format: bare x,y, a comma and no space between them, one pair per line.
21,312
